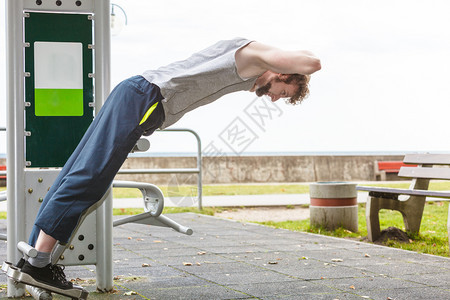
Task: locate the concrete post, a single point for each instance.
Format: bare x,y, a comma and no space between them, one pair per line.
333,205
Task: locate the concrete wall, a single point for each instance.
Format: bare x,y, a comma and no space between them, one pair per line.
257,169
260,169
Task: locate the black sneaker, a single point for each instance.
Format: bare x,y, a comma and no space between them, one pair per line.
50,274
20,263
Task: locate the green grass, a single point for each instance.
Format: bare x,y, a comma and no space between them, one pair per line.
218,190
432,239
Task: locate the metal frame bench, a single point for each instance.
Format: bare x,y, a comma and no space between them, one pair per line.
421,169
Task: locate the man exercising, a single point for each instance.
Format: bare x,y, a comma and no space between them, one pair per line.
140,105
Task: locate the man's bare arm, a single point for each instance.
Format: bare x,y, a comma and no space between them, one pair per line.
256,58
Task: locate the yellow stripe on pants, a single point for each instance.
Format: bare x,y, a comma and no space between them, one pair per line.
148,113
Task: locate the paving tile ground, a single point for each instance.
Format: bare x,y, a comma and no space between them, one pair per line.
226,259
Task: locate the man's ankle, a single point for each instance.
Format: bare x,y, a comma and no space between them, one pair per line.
41,260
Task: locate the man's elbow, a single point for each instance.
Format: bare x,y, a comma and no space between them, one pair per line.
311,63
314,66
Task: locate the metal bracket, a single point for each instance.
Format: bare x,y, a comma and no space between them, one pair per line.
161,221
383,195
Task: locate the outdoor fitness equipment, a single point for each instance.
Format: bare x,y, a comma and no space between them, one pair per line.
58,58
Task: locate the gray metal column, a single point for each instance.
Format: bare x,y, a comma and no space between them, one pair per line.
102,88
15,133
19,178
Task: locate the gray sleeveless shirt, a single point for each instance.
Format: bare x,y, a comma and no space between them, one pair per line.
201,79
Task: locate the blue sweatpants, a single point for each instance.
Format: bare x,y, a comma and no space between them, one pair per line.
132,109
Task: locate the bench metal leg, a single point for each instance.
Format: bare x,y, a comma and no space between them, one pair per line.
411,210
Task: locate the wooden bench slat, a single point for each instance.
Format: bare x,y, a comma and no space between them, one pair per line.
404,191
430,173
431,159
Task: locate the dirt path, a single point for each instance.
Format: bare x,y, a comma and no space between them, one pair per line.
262,214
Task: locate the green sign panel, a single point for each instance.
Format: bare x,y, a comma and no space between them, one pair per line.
58,79
59,88
58,102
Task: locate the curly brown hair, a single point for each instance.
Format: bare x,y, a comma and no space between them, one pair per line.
302,82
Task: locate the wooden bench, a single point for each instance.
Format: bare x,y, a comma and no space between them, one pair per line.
383,167
421,169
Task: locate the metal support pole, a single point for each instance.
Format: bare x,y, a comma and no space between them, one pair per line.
199,162
16,173
15,134
104,266
197,170
102,88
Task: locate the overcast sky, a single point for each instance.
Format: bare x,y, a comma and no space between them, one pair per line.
383,84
